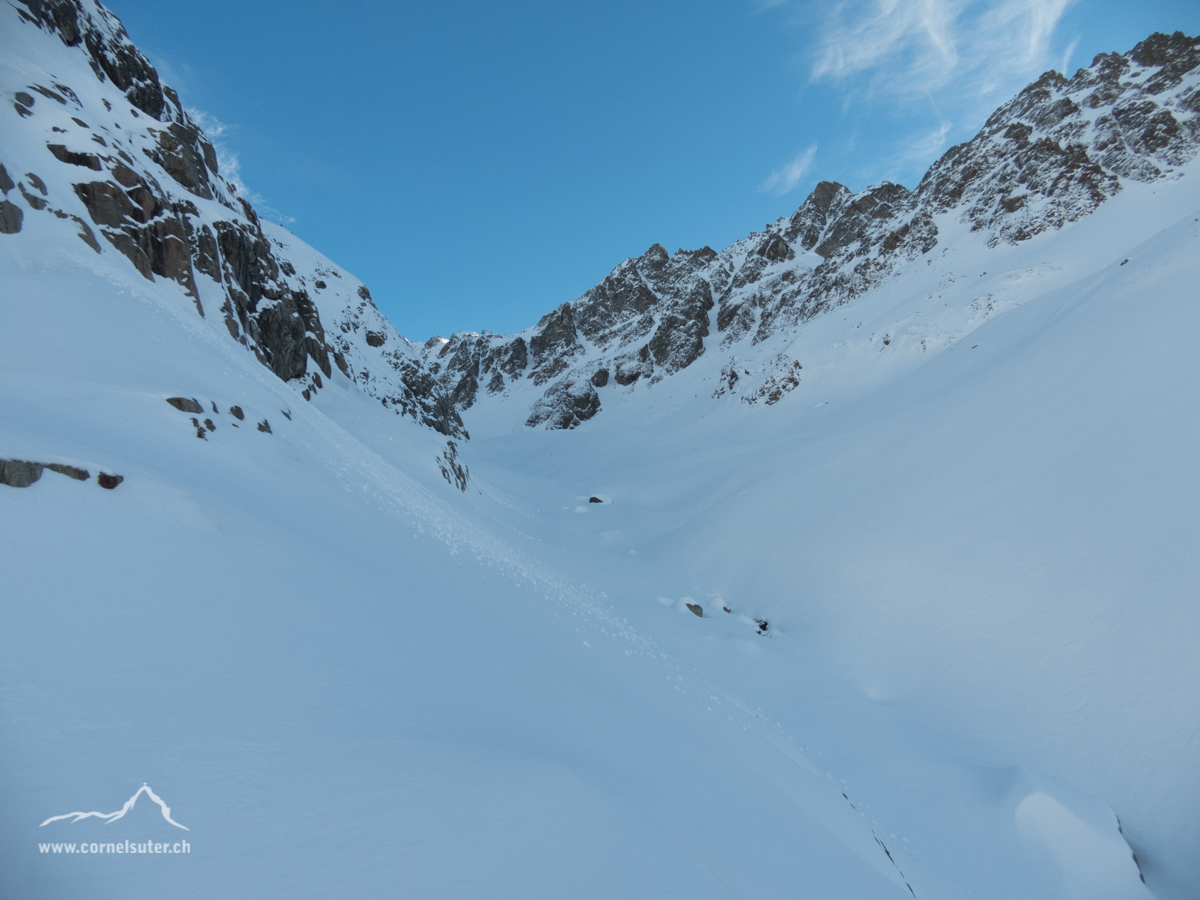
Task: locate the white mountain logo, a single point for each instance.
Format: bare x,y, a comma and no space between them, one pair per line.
113,816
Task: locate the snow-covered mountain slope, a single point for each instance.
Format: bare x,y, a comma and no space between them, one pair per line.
1050,156
997,543
953,528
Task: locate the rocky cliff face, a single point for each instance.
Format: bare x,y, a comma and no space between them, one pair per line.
151,190
141,185
1060,148
127,167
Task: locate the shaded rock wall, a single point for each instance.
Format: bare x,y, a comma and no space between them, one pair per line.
156,196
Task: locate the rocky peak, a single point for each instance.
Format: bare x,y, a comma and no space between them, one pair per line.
1060,148
554,342
1174,55
618,309
806,224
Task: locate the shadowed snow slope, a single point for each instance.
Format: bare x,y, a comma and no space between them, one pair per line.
945,572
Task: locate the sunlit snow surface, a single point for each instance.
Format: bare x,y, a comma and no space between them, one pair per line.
974,548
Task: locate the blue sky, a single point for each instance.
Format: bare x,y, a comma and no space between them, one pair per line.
477,164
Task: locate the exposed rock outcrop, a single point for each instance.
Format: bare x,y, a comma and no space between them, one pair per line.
22,473
10,214
186,404
452,470
110,53
70,471
553,344
19,473
11,217
565,405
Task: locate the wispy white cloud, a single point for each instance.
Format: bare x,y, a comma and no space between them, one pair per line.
1067,54
872,37
227,161
893,61
924,147
917,47
783,180
229,166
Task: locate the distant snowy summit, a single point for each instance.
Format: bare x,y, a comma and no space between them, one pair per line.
110,152
1050,156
